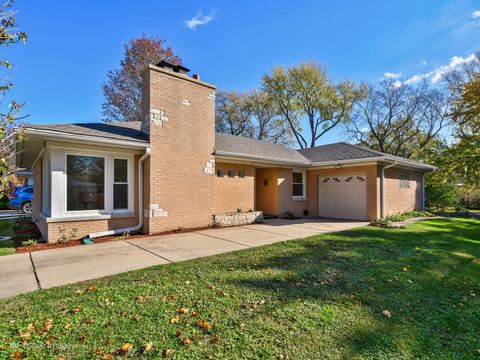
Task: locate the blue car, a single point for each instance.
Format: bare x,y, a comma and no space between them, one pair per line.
21,199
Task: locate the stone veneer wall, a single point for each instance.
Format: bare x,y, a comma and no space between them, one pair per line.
241,218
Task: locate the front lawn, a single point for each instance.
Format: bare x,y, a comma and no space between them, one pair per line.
7,247
316,298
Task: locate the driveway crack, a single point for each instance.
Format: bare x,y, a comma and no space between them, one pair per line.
151,252
35,271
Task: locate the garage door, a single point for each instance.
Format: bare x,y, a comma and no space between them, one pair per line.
343,197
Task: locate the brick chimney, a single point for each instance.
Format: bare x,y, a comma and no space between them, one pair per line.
178,113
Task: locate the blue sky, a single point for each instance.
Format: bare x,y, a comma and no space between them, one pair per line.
72,44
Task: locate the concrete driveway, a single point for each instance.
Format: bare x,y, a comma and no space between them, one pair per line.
22,273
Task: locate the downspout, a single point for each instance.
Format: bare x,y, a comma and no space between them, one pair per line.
87,239
382,188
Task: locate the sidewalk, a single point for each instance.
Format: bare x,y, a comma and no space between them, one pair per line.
20,273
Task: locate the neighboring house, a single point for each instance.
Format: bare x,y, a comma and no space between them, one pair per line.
24,176
171,170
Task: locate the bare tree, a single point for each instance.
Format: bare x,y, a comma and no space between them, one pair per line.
233,114
399,119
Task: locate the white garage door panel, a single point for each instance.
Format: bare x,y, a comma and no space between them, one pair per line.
343,197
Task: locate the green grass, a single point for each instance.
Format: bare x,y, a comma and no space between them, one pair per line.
316,298
6,247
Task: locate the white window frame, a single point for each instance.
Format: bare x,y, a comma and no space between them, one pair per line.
108,182
129,183
304,183
105,184
46,185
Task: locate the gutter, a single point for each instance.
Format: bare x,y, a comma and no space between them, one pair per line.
85,138
88,239
382,188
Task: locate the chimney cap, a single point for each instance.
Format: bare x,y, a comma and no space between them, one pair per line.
175,67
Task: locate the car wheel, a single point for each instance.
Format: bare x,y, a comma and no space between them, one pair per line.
27,207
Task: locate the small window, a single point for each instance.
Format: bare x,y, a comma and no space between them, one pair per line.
120,184
220,173
297,184
241,174
230,173
28,191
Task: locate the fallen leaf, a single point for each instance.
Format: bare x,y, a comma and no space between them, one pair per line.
75,310
148,346
126,347
405,269
17,355
91,288
182,310
206,326
186,341
61,357
167,353
179,333
107,357
242,325
140,299
67,325
216,339
46,326
50,340
89,321
174,320
386,313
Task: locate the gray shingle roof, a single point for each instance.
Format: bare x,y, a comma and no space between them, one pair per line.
235,146
343,151
121,131
245,147
338,151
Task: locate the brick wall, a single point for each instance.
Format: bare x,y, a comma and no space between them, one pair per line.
179,114
234,193
402,199
373,189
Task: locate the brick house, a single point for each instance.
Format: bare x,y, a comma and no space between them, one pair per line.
171,170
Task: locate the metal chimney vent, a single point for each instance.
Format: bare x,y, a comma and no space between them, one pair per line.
175,68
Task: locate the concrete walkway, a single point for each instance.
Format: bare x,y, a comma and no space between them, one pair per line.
21,273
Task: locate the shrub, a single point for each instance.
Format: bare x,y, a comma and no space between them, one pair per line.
396,217
25,229
29,242
441,196
381,222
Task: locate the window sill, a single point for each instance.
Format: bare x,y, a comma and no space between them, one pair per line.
299,198
87,217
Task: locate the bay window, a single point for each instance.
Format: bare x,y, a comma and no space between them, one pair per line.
82,183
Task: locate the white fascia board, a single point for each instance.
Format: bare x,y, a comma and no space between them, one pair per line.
84,138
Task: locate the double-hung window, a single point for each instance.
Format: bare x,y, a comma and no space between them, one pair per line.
298,185
120,184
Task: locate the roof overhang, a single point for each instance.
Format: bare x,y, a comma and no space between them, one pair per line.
34,142
378,159
256,160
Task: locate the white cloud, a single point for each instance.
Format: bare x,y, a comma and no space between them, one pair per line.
200,19
390,75
476,14
437,74
424,62
396,84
